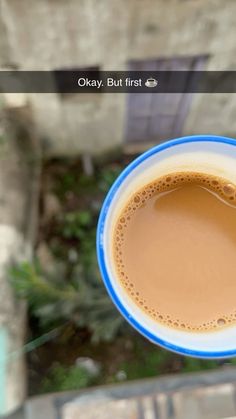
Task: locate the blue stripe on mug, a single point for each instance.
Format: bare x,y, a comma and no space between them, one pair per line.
101,256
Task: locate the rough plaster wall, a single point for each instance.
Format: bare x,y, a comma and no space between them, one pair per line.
179,27
55,34
48,33
71,34
79,123
5,52
212,114
19,168
58,34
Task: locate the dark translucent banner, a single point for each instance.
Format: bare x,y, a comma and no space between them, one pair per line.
118,81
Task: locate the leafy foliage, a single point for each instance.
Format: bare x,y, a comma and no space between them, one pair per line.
76,224
29,283
74,292
146,366
83,301
107,177
62,378
194,365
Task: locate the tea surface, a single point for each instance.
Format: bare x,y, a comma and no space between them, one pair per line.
174,248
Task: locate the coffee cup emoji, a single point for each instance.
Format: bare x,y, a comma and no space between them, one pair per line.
151,82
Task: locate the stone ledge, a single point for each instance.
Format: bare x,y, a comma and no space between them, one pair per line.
168,395
215,402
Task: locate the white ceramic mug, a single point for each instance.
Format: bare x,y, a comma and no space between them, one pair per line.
201,153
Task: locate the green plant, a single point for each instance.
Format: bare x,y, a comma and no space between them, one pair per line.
83,301
146,363
68,181
107,176
62,378
75,291
194,365
73,179
29,283
76,224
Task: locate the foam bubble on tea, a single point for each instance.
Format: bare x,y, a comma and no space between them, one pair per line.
174,250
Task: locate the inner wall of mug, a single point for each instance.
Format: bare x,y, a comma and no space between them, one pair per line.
207,157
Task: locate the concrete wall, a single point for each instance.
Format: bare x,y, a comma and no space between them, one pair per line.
108,34
56,34
19,169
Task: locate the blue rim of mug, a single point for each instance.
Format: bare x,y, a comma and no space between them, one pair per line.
101,253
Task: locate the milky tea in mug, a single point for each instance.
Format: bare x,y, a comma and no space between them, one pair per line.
172,243
174,247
